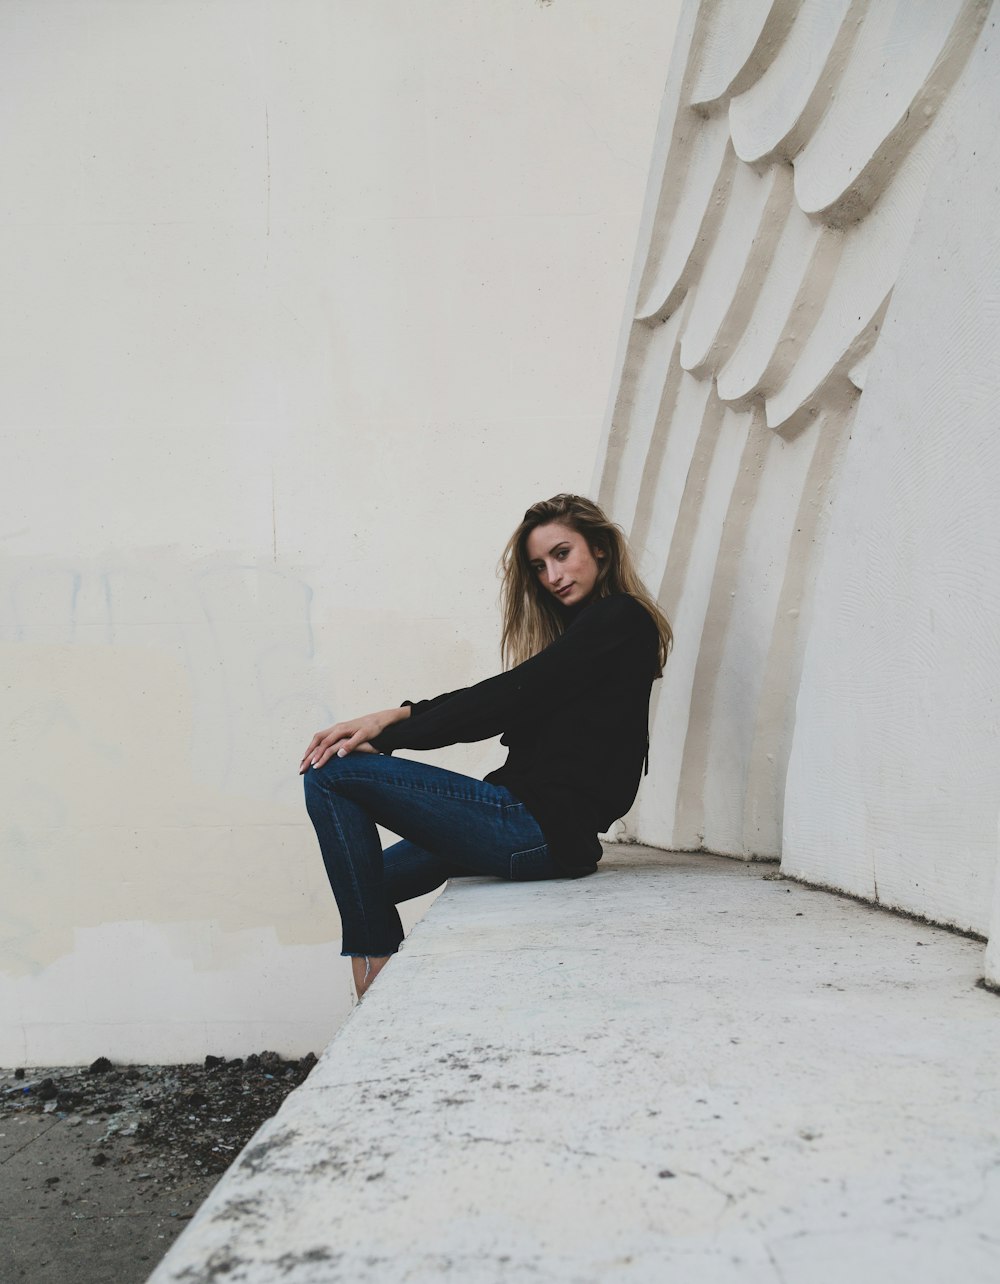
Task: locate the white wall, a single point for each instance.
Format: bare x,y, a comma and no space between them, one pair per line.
303,304
803,445
893,784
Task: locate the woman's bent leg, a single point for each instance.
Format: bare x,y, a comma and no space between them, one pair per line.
409,870
470,826
352,855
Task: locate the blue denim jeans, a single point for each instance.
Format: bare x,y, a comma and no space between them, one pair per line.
450,825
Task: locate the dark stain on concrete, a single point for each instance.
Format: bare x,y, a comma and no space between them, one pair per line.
256,1158
239,1210
217,1267
287,1262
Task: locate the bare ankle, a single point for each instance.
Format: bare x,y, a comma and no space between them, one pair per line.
366,969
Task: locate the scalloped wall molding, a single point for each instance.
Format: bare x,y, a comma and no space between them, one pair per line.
807,382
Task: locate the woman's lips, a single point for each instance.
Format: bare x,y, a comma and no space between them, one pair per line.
562,591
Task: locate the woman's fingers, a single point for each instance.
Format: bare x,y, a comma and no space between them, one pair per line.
342,738
318,746
322,757
358,738
361,747
340,747
326,750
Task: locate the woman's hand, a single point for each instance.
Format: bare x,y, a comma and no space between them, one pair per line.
346,737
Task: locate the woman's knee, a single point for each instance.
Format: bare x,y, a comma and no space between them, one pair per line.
320,780
340,769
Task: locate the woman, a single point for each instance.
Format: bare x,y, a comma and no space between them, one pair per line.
586,641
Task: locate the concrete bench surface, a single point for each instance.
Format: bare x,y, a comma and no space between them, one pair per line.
682,1067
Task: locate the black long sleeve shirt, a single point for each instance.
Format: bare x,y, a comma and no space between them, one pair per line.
574,719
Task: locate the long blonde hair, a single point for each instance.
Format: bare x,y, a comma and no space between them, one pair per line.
531,616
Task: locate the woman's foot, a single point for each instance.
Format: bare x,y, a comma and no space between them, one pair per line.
370,966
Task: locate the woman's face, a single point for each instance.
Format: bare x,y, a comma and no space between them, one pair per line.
563,561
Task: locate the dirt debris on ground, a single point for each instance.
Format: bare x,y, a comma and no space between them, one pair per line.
101,1167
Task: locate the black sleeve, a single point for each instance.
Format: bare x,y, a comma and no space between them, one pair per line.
566,667
417,707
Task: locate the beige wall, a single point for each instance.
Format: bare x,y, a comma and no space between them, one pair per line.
303,304
803,447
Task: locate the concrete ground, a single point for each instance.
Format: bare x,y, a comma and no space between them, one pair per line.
102,1166
682,1067
65,1221
681,1063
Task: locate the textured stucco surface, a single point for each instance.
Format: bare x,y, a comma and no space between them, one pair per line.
681,1066
802,445
304,302
893,788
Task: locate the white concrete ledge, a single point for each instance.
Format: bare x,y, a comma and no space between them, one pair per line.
681,1062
